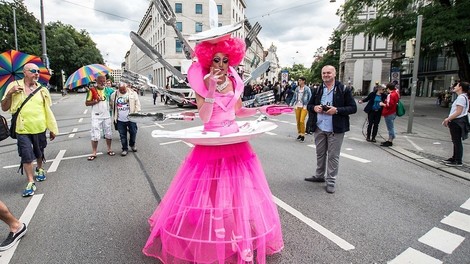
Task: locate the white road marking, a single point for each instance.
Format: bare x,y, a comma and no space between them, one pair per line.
52,160
413,144
189,144
158,125
56,162
466,205
413,256
25,218
73,132
170,142
319,228
443,240
348,149
458,220
270,133
436,143
84,112
346,155
80,120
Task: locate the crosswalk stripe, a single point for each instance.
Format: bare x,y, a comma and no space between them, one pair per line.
466,205
443,240
458,220
413,256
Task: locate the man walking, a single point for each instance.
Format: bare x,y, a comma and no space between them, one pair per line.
34,118
124,102
98,99
330,106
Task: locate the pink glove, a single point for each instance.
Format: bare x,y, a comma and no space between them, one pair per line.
205,111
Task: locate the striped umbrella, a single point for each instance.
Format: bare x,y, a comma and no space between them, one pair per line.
86,74
11,68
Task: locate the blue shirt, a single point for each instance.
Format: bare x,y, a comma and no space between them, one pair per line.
377,100
325,121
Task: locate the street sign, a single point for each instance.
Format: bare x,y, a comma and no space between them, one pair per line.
284,76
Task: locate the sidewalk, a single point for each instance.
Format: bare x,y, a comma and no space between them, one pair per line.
429,141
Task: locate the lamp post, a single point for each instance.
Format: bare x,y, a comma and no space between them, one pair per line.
415,73
43,38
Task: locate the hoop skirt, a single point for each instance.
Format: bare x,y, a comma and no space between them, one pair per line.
218,208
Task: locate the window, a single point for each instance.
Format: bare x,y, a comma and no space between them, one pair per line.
198,27
219,9
179,46
220,24
178,8
198,8
179,26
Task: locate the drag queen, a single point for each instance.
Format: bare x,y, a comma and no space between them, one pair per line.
219,208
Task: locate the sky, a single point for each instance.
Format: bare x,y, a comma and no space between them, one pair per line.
297,28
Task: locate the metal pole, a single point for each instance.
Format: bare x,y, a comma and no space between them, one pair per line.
43,37
14,28
415,73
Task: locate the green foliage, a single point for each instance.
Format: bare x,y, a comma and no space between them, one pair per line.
445,24
67,48
328,56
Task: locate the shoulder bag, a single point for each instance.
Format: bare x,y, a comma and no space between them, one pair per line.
14,117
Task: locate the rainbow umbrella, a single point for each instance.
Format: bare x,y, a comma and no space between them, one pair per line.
86,74
11,68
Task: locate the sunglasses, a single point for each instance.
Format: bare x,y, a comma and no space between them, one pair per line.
33,71
217,60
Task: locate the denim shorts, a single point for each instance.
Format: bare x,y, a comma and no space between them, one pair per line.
31,146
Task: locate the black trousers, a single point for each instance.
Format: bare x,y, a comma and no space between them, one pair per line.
373,120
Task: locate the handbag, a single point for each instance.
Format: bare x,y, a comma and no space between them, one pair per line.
400,109
14,117
4,131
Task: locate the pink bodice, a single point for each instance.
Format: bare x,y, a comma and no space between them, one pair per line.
223,115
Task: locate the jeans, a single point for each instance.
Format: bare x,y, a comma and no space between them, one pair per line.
123,127
389,122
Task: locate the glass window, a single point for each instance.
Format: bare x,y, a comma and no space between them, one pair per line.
179,46
198,27
220,24
179,26
178,8
219,9
198,8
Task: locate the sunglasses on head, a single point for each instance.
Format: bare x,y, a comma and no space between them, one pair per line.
33,71
217,60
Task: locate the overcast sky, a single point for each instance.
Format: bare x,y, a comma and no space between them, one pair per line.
298,27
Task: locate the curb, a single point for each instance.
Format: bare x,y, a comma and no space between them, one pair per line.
433,164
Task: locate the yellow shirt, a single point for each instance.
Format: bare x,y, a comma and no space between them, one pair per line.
36,115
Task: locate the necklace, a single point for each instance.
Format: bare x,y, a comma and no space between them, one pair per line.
221,87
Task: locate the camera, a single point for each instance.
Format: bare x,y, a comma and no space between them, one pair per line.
325,107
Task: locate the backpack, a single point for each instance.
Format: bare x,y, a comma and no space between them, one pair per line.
4,130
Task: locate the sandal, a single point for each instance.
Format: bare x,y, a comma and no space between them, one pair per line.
111,153
92,157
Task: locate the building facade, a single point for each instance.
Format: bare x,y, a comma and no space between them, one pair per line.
191,17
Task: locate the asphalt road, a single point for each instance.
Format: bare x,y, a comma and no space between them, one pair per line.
387,208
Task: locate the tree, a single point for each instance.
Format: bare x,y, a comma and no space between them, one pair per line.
446,24
328,56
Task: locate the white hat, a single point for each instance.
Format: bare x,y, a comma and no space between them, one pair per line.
217,34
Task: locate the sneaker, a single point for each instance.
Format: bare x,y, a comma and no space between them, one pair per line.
124,153
40,174
449,160
315,179
302,138
134,149
330,189
299,137
13,238
373,140
386,144
454,164
29,190
368,139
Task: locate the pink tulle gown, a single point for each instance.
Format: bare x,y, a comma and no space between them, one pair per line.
219,208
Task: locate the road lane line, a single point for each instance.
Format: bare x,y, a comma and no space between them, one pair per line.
73,132
466,205
52,160
84,112
458,220
319,228
80,120
411,255
442,240
56,162
270,133
413,144
346,156
25,218
170,142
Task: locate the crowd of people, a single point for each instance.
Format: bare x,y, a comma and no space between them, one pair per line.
208,214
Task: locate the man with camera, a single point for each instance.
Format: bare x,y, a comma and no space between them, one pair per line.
330,107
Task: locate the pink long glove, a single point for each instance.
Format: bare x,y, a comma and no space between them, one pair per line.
205,111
